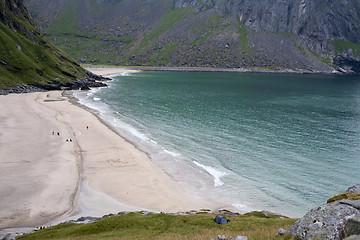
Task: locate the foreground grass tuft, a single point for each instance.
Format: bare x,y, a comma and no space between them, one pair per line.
345,196
165,226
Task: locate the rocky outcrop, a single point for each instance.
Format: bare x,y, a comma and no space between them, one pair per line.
335,220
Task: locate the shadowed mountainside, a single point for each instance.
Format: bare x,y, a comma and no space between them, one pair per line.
305,35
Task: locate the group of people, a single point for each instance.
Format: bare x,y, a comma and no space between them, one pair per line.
68,140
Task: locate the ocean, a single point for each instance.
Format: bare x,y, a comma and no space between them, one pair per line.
279,142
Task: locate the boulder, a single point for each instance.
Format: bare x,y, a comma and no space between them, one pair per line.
335,220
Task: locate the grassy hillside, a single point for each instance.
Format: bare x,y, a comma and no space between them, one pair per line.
25,56
162,226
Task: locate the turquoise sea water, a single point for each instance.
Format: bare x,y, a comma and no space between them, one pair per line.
280,142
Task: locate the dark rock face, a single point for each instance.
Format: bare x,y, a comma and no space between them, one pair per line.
267,34
348,64
335,220
315,19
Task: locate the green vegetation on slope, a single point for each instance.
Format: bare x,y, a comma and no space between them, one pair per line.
167,22
207,29
161,57
344,46
244,40
66,22
23,61
27,58
163,226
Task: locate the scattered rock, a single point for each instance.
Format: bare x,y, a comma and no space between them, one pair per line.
353,237
241,238
219,237
227,212
281,232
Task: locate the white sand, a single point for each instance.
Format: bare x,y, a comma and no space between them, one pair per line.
45,178
109,71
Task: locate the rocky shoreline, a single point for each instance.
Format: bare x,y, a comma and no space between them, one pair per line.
90,81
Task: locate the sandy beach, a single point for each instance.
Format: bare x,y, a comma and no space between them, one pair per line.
103,71
60,161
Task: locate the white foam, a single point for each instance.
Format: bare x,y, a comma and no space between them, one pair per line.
109,115
154,142
242,207
120,74
129,129
213,172
172,153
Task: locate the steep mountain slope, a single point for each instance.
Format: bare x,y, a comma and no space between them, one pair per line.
306,35
27,58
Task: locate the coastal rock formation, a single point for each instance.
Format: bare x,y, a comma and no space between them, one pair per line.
305,35
354,189
335,220
28,62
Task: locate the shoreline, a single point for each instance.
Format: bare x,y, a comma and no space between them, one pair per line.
148,187
109,70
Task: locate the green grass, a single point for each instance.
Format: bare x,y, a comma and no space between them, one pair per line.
167,22
322,58
83,44
91,46
163,226
208,29
344,46
26,58
161,58
66,22
244,40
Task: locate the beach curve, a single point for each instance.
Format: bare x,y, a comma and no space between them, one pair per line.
85,150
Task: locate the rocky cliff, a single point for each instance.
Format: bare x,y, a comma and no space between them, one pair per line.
303,35
28,62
